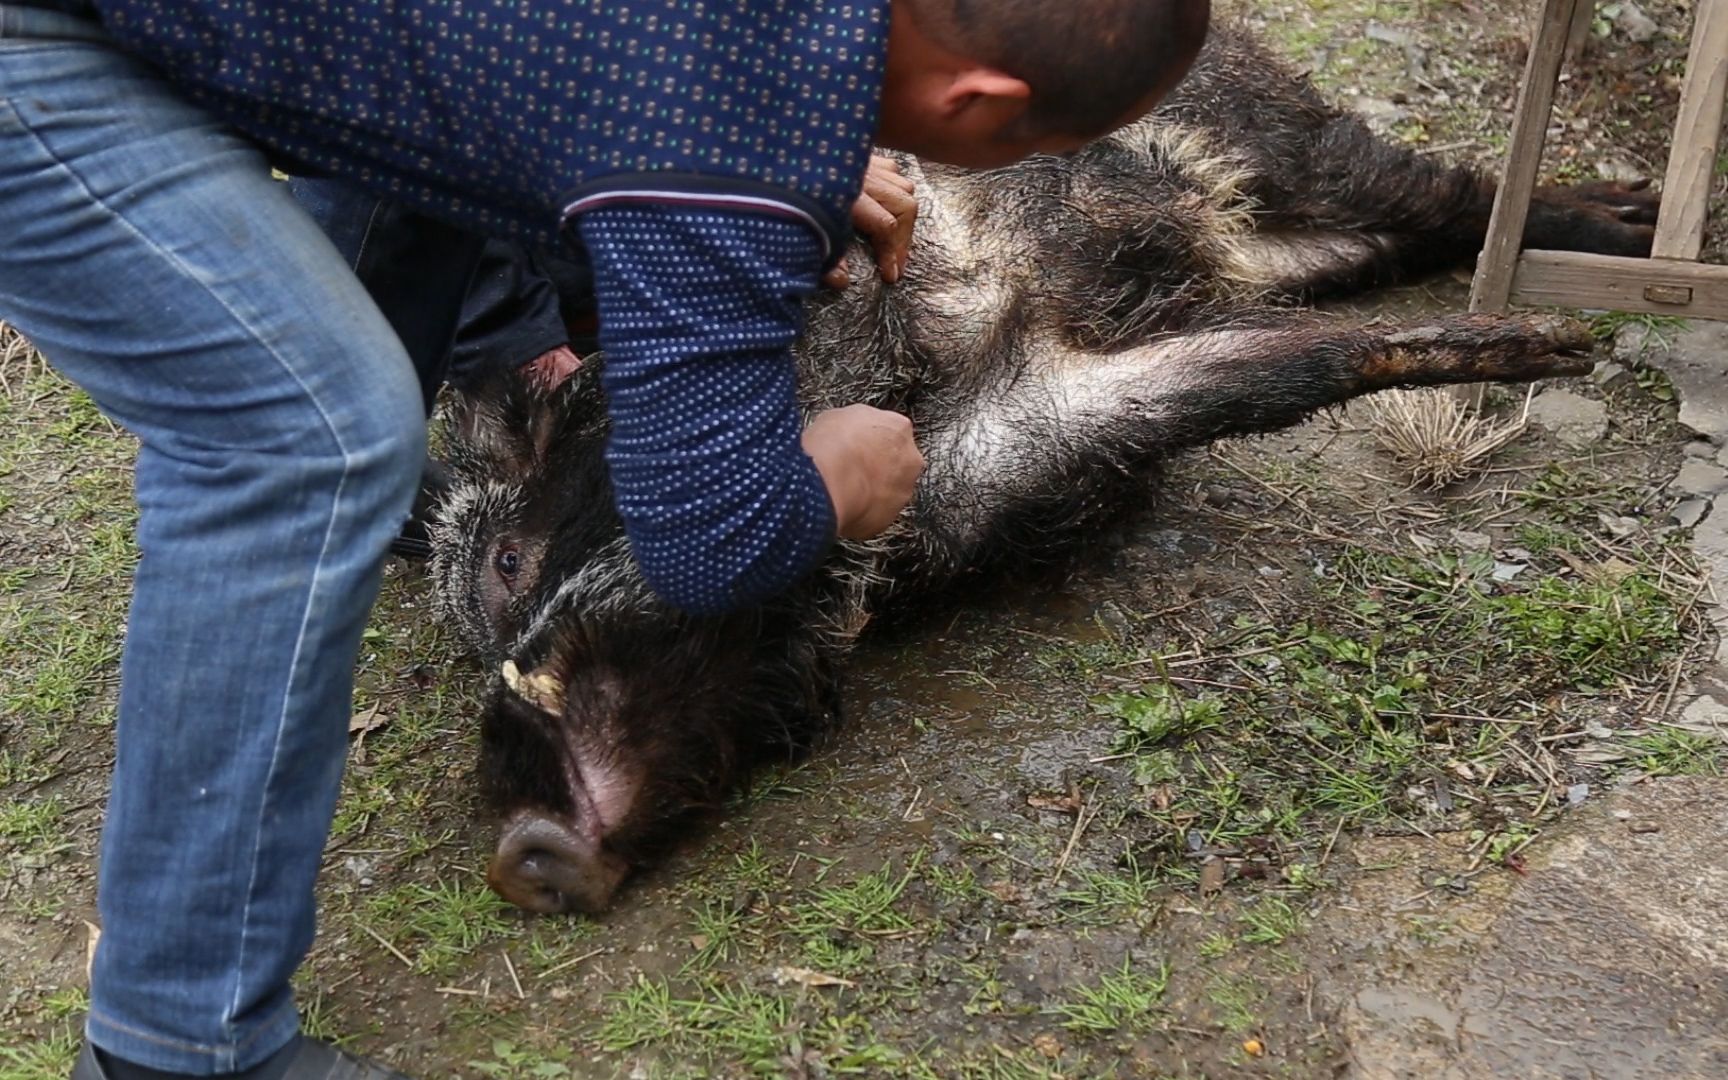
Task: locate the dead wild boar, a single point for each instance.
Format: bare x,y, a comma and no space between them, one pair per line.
1064,324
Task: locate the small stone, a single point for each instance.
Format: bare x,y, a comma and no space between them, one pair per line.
1507,571
1618,169
1618,525
1690,512
1699,448
1623,815
1705,711
1631,342
1270,573
1380,115
1577,793
1698,478
1610,375
1645,827
1575,420
1471,541
1376,31
1637,26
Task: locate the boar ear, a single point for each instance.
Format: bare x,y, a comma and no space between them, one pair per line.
510,423
539,687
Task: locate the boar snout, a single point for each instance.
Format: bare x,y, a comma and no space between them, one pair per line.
545,866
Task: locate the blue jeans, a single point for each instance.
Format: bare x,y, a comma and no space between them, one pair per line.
150,256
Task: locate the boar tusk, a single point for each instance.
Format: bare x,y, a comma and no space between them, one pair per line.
539,687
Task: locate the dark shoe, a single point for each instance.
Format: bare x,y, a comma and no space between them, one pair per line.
309,1060
415,541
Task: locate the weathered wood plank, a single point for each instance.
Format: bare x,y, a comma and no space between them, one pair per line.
1493,282
1692,154
1658,286
1579,35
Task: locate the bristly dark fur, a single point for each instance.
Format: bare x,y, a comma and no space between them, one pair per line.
1063,325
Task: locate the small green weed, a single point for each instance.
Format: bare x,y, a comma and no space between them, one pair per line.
1125,1000
1270,921
439,925
50,1058
1672,751
512,1062
33,825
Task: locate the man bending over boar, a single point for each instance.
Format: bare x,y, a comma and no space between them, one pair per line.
701,158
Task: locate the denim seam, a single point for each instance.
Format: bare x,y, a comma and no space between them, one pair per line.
99,1018
366,235
323,552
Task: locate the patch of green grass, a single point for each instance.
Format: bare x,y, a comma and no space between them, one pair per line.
1124,1000
837,924
1270,921
1659,330
47,1058
864,906
439,925
1540,538
953,886
1236,998
1159,713
1131,894
59,667
318,1018
1672,751
510,1061
67,1002
715,1023
34,825
720,928
1060,658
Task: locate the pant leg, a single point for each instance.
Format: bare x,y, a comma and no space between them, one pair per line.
510,317
418,270
150,256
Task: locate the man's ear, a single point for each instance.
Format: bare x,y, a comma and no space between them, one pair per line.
985,88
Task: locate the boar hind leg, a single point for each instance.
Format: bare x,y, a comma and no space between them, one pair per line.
1039,457
1236,381
1353,211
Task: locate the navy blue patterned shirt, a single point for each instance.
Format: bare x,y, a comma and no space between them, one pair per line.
701,155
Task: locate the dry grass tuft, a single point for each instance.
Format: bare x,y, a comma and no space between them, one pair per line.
1438,437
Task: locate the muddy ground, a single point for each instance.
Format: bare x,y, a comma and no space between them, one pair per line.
1305,771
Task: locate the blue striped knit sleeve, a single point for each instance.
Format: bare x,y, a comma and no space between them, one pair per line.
698,311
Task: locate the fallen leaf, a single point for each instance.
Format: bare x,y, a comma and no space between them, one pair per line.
366,721
698,941
1253,1047
1211,875
806,977
1005,891
1048,1045
1061,804
90,947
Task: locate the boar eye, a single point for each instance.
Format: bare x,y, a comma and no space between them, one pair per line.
507,561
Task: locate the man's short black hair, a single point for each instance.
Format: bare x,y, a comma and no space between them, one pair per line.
1088,62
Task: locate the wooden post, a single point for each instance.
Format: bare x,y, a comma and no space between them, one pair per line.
1493,283
1492,287
1692,154
1579,34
